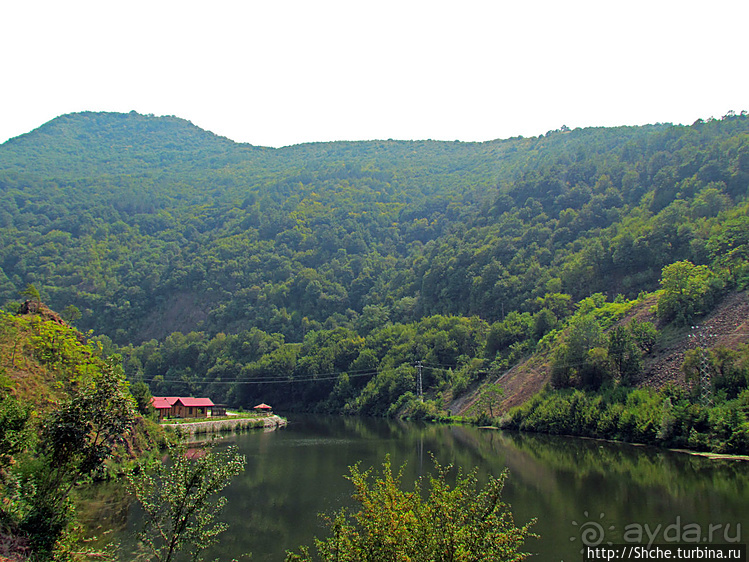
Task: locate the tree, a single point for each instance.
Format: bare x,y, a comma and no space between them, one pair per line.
142,395
543,322
14,429
460,522
178,499
585,333
489,398
624,353
596,369
729,246
74,442
561,370
71,314
688,290
644,334
32,293
573,357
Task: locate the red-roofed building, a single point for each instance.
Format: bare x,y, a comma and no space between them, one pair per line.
180,407
163,405
193,407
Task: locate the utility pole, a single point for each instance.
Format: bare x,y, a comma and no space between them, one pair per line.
706,390
419,387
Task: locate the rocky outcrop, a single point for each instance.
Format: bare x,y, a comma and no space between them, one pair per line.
36,307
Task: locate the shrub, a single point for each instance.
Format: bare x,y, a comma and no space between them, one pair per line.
460,522
688,291
179,500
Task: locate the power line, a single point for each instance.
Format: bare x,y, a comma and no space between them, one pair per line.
266,380
280,379
438,366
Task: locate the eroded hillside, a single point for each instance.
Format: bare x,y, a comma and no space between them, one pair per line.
726,326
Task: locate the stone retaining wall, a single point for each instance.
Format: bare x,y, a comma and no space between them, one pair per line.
228,425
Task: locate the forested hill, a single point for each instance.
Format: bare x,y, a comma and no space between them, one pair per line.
86,145
151,225
223,265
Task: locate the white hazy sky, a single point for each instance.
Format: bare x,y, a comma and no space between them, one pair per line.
280,72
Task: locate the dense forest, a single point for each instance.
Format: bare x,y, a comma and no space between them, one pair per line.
316,276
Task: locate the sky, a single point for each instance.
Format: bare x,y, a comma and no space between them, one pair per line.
282,72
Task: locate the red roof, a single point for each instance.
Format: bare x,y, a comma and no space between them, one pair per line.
163,402
262,406
166,402
196,402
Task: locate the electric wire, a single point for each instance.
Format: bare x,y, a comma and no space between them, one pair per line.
265,380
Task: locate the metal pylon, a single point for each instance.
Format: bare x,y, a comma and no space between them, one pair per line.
419,386
700,336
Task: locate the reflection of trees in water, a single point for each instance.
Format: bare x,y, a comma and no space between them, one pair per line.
563,478
679,473
544,459
101,508
294,474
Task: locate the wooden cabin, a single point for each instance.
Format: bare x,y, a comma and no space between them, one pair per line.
182,407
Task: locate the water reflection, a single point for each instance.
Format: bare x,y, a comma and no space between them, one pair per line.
296,473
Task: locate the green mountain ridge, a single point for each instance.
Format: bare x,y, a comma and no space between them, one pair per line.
213,262
89,143
121,184
540,284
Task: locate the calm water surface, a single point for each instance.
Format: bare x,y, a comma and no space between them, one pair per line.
578,490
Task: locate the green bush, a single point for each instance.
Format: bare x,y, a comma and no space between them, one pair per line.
179,500
459,522
669,417
688,291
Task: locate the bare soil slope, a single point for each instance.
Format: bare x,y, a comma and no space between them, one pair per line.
727,325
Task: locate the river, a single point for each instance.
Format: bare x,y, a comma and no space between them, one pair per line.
579,491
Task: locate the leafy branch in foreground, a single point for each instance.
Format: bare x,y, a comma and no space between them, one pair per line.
179,500
450,523
74,442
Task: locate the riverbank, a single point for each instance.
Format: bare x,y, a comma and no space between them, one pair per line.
295,473
228,425
705,454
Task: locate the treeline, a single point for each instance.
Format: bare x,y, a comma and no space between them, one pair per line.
333,371
150,226
317,276
668,418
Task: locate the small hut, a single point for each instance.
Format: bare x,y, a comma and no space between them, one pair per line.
263,409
